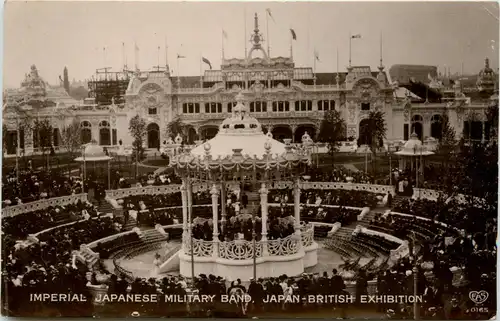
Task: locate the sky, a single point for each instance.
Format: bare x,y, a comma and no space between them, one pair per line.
54,35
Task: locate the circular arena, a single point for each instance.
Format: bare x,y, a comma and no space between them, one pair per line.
272,231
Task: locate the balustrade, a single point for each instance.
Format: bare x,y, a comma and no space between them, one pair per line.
42,204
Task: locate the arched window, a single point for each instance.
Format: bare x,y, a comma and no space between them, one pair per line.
417,126
104,133
86,132
230,106
437,127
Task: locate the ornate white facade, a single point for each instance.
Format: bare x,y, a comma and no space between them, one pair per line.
287,100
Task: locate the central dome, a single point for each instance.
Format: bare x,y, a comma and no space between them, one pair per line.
242,132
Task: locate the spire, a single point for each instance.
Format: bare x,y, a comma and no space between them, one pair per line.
167,69
381,66
256,20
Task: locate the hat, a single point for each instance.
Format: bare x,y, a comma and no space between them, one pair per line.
135,314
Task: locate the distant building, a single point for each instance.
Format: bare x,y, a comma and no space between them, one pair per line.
287,100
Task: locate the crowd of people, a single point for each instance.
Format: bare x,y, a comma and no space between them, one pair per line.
468,245
46,266
36,185
339,175
326,197
20,226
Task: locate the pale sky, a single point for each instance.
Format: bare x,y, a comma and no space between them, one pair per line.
53,35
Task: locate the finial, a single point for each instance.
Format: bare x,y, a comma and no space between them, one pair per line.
256,23
487,62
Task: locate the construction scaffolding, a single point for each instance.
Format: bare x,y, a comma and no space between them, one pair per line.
108,87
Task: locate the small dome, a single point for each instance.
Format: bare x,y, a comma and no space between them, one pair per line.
93,150
413,143
93,153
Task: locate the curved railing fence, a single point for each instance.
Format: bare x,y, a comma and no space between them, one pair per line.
244,250
42,204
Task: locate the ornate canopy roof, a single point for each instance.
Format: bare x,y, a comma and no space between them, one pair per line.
241,143
414,147
240,131
93,153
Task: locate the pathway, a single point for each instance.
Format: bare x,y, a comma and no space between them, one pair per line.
351,167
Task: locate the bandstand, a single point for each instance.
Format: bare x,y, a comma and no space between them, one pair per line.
242,155
413,155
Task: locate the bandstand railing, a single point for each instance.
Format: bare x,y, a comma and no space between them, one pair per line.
244,250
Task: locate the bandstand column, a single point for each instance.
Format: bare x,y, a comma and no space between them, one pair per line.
223,200
296,206
215,220
184,208
264,208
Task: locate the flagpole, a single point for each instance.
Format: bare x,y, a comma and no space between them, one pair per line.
291,44
166,55
136,50
158,58
124,60
381,53
222,37
267,32
350,40
314,68
178,73
201,71
337,78
245,35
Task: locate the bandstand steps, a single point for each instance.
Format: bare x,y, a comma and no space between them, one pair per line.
131,223
398,200
152,235
105,208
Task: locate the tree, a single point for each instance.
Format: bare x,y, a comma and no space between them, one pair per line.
66,80
5,141
42,129
448,143
374,132
332,131
177,127
137,128
492,117
71,137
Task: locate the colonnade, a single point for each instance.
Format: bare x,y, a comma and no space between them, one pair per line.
219,189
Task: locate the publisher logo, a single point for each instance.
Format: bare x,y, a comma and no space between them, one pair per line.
478,297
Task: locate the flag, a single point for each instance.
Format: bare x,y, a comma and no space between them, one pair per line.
136,47
179,56
358,36
316,55
224,34
205,60
294,35
270,15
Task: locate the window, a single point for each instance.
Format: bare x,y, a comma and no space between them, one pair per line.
104,133
324,105
303,105
212,108
115,136
191,108
258,106
365,106
86,132
230,106
281,106
406,130
152,111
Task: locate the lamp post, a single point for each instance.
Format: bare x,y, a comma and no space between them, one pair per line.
254,236
416,309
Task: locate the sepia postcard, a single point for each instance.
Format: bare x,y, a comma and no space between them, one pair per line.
250,159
